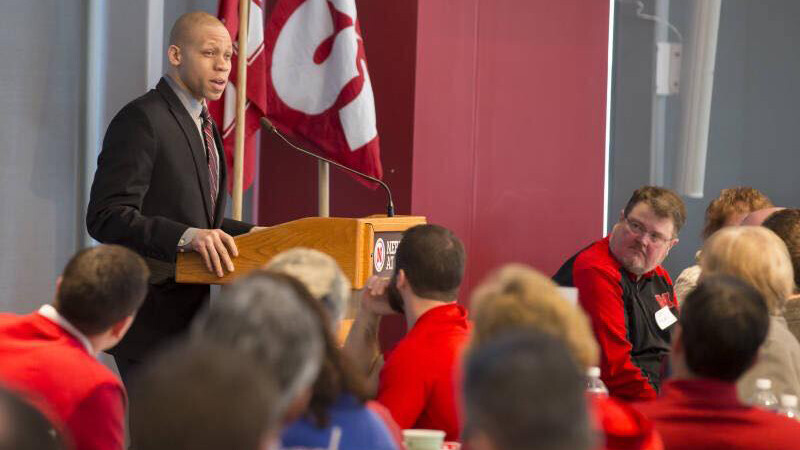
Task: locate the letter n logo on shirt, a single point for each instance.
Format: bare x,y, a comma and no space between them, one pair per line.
664,300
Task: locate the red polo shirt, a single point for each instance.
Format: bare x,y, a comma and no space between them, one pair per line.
418,383
706,414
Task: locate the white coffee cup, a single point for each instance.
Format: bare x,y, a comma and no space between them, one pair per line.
417,439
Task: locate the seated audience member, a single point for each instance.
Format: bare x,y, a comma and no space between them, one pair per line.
320,274
339,410
628,295
728,209
51,355
523,391
517,296
417,384
23,427
786,224
759,257
266,317
723,322
199,395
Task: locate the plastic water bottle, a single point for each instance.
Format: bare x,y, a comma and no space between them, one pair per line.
789,407
594,385
763,396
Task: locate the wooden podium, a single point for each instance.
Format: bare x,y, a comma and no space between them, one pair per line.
353,243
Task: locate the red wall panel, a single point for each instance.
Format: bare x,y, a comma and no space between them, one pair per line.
491,115
510,127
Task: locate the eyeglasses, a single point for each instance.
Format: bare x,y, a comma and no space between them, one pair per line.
638,229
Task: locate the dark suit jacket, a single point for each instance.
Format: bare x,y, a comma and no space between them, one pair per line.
151,185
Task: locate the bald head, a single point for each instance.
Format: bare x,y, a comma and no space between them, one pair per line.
199,54
182,30
758,217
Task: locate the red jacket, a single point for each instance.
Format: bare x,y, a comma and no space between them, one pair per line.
622,309
50,367
418,382
706,414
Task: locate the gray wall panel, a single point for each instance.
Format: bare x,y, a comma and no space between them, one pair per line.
40,111
753,118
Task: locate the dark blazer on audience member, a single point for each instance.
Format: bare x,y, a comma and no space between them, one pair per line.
151,185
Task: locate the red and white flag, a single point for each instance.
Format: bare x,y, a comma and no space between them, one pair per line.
318,86
224,110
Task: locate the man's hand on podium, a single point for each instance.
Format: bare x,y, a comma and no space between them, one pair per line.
216,248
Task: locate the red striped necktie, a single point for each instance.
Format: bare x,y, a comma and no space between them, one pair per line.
212,157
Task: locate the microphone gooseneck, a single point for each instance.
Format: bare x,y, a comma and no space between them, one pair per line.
266,123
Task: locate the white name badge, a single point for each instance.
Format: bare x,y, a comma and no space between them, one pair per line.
665,318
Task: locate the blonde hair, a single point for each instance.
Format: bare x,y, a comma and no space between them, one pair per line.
517,296
757,256
319,273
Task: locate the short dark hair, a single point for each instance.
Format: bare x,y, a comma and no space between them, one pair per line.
201,395
524,391
23,427
101,286
664,202
723,323
786,224
432,258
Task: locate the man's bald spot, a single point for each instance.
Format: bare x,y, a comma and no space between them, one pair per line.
757,217
181,32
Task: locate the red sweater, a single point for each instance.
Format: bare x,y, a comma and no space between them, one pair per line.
49,366
707,414
418,383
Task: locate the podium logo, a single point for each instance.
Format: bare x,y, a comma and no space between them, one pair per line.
379,255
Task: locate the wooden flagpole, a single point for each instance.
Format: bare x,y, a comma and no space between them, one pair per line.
323,189
241,101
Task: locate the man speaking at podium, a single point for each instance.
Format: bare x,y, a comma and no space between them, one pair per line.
160,183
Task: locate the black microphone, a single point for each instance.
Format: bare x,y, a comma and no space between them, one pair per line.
270,127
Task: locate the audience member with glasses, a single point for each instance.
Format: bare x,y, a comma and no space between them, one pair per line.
628,295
